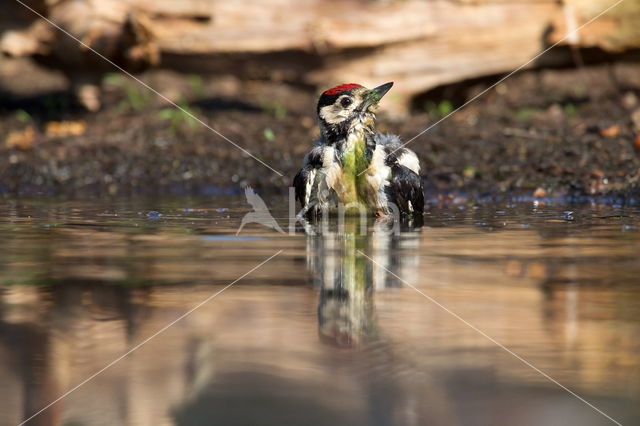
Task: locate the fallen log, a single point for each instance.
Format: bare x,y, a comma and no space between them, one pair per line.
418,44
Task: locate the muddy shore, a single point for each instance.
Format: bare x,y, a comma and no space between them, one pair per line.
544,133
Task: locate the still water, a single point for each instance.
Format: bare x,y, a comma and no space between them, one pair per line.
358,327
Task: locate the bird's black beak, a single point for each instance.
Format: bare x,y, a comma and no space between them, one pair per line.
374,95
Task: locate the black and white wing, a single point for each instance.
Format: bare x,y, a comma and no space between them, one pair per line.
405,190
397,153
304,180
405,187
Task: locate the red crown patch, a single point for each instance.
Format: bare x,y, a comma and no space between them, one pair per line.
341,88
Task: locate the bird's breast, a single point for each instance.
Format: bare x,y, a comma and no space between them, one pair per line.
359,178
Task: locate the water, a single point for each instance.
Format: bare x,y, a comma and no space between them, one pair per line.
353,328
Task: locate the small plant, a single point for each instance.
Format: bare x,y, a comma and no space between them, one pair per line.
178,116
469,172
571,110
276,109
269,135
441,109
114,79
196,83
525,113
23,116
138,99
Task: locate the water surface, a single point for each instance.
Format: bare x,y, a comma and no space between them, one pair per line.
330,330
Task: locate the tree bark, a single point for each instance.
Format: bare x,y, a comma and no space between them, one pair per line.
419,44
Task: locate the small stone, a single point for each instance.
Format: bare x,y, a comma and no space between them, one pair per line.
154,215
555,111
629,100
88,96
540,192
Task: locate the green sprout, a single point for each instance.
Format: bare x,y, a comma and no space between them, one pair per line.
441,109
114,79
178,116
469,172
525,113
269,135
138,99
276,109
196,83
571,110
23,116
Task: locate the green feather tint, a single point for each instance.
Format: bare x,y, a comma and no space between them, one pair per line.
354,163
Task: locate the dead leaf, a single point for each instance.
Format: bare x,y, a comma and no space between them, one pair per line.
540,192
536,269
637,142
63,129
514,268
610,132
21,139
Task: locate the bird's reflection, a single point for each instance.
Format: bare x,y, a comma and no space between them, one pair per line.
350,260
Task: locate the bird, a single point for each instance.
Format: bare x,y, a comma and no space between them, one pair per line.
353,164
260,214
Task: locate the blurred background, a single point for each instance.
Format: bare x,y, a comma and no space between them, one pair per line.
71,122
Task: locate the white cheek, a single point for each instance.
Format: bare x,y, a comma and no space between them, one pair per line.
333,114
330,115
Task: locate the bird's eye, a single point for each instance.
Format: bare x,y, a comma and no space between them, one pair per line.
345,102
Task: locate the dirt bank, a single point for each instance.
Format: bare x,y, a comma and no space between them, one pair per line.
554,131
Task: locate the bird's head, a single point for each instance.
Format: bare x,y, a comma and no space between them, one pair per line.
342,106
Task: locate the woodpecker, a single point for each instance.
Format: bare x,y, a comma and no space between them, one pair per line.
353,164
